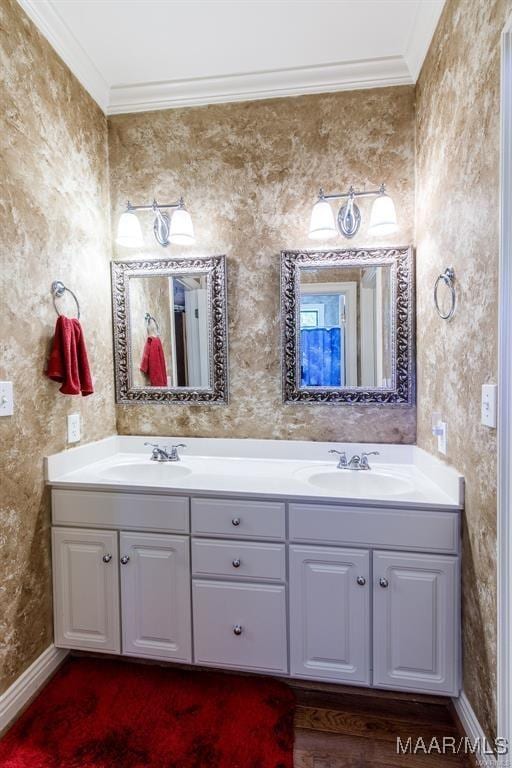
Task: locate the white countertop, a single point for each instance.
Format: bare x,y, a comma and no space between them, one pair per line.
401,475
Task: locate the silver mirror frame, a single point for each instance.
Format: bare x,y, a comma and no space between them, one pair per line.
214,267
403,391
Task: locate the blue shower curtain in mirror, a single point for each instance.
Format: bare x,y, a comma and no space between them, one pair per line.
321,355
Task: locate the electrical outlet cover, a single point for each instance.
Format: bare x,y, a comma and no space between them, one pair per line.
74,428
6,398
442,437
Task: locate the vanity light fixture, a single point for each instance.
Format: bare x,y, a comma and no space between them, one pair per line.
176,228
324,227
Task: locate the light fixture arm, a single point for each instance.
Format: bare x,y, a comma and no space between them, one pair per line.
352,193
155,206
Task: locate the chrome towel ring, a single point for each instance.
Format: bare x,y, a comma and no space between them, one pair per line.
447,277
58,290
150,319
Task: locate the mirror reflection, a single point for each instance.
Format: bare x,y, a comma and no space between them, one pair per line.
346,321
169,329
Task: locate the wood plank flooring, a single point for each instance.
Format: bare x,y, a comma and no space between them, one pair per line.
355,730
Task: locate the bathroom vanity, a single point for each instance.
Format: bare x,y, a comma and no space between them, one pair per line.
261,556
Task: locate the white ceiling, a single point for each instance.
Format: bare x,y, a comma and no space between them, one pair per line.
135,55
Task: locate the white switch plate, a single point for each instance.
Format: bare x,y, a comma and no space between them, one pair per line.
6,398
489,405
73,428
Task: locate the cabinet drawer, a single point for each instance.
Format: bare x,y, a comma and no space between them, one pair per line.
258,614
410,529
243,519
130,511
240,559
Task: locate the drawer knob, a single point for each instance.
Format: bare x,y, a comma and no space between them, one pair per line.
383,582
361,581
236,563
237,629
107,558
236,521
124,559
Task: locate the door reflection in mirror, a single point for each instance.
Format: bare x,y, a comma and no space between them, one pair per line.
178,311
345,326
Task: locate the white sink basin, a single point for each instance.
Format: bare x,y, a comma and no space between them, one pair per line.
146,473
362,483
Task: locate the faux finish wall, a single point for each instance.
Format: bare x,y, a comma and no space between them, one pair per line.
457,224
55,225
250,173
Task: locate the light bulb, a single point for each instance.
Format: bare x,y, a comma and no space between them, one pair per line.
383,216
181,231
128,231
322,226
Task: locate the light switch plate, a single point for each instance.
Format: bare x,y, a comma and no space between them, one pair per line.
489,405
73,428
6,398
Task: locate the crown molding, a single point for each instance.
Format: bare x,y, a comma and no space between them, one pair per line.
52,27
427,18
343,76
141,97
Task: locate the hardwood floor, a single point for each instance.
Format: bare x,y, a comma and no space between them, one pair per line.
355,730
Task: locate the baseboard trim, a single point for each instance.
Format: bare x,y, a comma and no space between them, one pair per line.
23,690
473,730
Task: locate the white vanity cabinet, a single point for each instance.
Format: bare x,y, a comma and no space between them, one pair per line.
330,614
155,596
326,591
122,591
86,589
415,621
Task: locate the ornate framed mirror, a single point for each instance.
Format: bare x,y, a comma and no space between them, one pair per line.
170,330
347,326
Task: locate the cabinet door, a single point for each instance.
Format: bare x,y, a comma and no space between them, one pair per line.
155,596
416,622
86,589
330,614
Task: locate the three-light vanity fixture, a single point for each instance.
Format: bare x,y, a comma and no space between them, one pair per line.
176,228
324,227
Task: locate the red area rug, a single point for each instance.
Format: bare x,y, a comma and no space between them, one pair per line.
105,714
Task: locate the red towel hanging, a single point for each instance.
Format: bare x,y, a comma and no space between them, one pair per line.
68,362
153,362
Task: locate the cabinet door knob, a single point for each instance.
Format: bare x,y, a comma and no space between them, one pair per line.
237,629
236,563
361,581
107,558
124,559
383,582
236,521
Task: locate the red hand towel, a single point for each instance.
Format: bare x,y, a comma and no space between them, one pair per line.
153,362
68,361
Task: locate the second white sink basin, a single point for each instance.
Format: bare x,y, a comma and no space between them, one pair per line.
357,483
146,473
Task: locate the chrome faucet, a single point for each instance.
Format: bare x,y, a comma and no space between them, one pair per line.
356,462
165,453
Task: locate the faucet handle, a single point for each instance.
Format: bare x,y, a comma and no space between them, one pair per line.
179,445
152,445
342,463
364,464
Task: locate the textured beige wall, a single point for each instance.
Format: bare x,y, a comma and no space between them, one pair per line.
54,213
250,173
457,224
